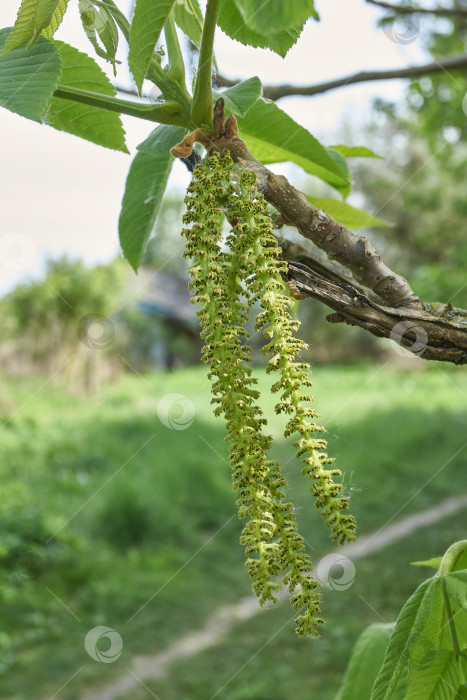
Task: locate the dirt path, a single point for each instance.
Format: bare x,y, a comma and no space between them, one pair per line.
221,622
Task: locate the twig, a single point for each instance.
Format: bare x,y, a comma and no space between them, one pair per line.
432,337
331,270
407,9
275,92
339,243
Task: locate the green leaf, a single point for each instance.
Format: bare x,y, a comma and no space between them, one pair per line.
240,98
33,16
435,634
462,693
99,24
148,22
118,16
273,137
344,166
275,15
345,214
365,662
461,562
188,16
456,588
28,78
231,22
144,188
161,140
409,626
436,677
91,123
356,152
432,563
56,19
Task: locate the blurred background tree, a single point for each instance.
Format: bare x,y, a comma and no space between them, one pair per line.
54,325
421,189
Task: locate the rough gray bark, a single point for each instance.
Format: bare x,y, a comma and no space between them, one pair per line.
327,268
437,334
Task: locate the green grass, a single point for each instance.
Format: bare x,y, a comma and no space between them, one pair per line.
116,508
264,659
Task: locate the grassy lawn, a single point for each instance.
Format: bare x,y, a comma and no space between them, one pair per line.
264,659
106,508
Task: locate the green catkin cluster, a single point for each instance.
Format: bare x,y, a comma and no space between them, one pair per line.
226,281
268,286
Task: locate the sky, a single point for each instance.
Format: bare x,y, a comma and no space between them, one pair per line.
61,195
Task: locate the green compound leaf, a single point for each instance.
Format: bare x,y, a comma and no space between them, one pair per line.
407,632
240,98
56,19
365,662
273,137
28,78
91,123
436,677
148,22
275,15
347,215
231,22
188,16
33,16
144,188
356,152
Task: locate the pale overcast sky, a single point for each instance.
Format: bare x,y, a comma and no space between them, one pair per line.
60,194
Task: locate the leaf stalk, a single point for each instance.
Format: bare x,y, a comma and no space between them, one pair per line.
201,108
166,113
176,67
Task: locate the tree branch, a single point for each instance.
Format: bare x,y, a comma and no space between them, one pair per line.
406,9
275,92
439,331
293,252
338,242
436,332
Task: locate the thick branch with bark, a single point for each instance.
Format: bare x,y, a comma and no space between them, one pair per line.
438,335
275,92
331,270
446,334
339,243
438,332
